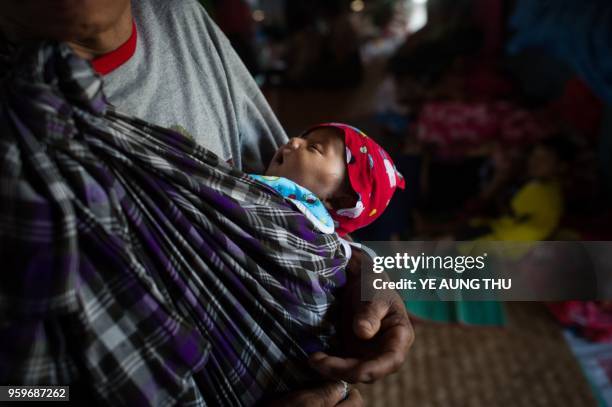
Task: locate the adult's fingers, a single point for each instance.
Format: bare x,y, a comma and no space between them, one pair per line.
334,367
397,317
392,342
353,370
394,345
368,318
354,399
394,339
328,394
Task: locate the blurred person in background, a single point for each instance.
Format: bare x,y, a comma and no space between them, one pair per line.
323,47
534,212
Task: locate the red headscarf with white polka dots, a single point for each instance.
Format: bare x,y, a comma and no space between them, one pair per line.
372,175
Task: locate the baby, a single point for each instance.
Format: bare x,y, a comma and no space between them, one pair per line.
338,177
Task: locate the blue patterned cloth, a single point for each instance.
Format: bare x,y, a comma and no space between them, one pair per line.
304,200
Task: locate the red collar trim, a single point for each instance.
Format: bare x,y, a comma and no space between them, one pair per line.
110,61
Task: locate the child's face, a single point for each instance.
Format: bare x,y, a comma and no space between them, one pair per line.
316,162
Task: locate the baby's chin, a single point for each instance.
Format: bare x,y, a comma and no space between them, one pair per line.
274,171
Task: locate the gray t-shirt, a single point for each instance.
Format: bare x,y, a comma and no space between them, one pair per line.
185,75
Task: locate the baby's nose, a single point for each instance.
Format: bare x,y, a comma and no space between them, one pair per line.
295,143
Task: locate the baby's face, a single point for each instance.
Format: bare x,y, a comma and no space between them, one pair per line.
315,161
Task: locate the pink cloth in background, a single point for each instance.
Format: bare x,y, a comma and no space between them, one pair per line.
591,319
454,124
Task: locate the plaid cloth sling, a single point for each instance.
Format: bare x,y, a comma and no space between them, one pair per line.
136,261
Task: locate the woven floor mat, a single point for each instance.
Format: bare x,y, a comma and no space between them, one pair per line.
526,363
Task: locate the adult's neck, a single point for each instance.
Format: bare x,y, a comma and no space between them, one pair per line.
105,41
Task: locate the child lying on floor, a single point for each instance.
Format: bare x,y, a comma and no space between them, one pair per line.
338,177
535,210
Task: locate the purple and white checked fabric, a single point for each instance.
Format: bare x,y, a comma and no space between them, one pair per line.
137,262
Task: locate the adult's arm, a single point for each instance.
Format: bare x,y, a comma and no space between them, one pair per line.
260,133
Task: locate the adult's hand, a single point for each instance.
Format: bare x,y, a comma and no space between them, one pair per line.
375,335
329,394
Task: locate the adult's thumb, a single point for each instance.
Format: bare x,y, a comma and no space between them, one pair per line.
367,320
331,393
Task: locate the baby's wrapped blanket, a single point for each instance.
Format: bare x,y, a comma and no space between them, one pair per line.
137,262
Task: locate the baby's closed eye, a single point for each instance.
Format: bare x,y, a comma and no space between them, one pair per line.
317,147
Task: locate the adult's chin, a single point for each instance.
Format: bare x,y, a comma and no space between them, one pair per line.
62,20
